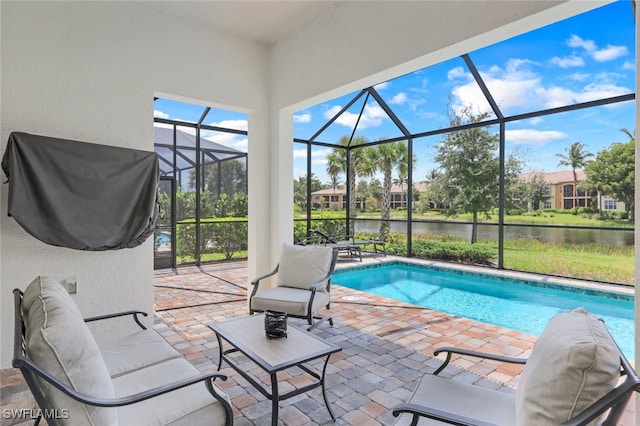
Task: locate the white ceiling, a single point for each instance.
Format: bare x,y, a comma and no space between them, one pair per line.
264,21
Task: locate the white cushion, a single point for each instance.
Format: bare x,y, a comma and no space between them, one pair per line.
59,341
572,365
293,301
134,351
475,402
301,266
192,405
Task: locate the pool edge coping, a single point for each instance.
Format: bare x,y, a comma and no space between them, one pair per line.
569,284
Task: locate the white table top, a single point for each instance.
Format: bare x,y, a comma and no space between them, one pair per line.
247,334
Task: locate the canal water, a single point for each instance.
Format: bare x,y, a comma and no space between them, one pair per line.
547,235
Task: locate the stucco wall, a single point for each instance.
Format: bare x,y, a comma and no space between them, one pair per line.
89,71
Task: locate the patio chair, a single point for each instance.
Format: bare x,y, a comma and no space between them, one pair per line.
303,284
575,374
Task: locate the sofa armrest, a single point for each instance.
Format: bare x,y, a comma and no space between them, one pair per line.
431,413
35,370
495,357
120,314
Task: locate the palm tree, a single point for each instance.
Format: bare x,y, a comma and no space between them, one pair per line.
385,158
335,183
337,163
576,158
632,136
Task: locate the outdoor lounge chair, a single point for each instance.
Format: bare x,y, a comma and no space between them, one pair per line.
576,373
378,245
343,243
302,284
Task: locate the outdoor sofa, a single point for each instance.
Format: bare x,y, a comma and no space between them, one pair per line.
133,379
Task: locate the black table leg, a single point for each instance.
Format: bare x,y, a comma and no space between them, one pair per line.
324,390
275,399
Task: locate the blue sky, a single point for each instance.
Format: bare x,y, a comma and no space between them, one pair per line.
182,111
587,57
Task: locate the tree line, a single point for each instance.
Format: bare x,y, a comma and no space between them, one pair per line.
468,177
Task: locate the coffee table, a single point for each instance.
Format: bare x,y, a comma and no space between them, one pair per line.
247,336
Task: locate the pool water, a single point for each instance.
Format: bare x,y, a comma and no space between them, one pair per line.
163,238
525,306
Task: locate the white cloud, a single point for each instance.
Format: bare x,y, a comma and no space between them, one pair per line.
399,99
160,114
518,66
381,86
302,118
457,72
629,66
232,124
554,96
610,53
576,41
231,140
518,88
318,156
300,153
533,137
568,61
577,76
511,89
595,91
372,116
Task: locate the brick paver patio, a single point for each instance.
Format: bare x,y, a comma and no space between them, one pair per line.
386,347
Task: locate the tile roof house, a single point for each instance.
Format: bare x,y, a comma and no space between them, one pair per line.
562,195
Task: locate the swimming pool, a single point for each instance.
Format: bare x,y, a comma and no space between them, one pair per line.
525,306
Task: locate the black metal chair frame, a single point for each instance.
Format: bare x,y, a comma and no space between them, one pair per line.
313,288
344,243
615,400
32,372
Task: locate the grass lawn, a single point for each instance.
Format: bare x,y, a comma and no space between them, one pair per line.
590,262
211,257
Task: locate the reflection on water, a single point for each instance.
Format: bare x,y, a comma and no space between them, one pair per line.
490,232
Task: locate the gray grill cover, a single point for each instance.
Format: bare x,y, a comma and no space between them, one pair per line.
81,195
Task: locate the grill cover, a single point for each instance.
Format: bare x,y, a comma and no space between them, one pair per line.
81,195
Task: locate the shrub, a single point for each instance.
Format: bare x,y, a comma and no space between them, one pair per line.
447,250
220,235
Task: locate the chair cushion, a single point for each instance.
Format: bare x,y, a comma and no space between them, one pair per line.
572,365
471,401
59,341
293,301
301,266
191,405
134,351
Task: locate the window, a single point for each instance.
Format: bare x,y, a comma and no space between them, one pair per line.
547,205
610,204
567,190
